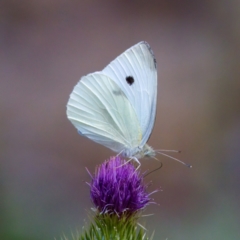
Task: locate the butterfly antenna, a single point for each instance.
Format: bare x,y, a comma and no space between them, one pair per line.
153,170
164,150
166,155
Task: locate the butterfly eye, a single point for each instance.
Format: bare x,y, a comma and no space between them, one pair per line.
130,80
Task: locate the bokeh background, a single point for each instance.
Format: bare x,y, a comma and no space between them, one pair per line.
47,45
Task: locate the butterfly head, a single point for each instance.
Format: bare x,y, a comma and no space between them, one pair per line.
139,152
147,151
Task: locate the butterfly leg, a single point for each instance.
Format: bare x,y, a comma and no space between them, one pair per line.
137,161
119,153
132,158
124,163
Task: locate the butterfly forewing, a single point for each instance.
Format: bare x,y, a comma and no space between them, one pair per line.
134,71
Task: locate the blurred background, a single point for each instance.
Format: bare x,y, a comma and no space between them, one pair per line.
47,45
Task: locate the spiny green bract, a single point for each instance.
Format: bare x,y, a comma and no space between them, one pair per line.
111,227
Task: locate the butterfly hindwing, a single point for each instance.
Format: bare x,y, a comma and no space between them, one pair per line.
100,110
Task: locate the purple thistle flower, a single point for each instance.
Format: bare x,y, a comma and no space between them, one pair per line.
117,187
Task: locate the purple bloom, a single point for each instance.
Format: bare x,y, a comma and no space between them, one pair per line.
117,187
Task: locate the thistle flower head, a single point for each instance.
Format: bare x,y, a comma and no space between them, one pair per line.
117,187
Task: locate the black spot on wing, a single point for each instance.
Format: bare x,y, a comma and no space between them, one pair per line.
117,92
155,62
80,133
151,51
130,80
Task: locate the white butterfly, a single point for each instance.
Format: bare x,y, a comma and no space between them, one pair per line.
116,107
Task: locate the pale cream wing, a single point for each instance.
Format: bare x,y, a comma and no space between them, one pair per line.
100,110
